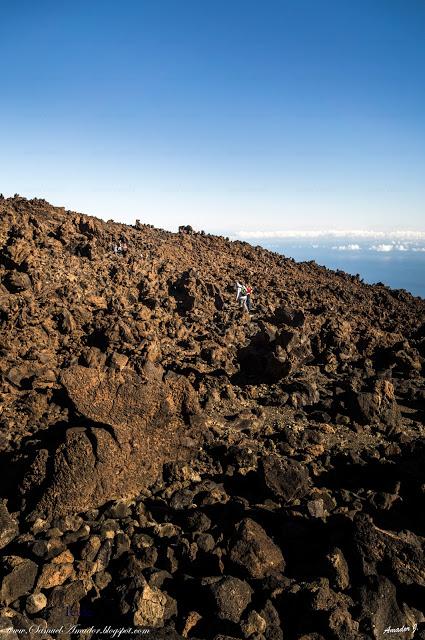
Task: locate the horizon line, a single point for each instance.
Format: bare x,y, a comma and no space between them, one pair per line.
395,234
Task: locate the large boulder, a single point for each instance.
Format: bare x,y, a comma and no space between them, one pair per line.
273,354
380,612
377,406
400,552
18,578
130,425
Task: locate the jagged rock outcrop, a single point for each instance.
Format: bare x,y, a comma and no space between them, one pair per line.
131,426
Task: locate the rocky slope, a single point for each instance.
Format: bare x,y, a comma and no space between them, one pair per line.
170,462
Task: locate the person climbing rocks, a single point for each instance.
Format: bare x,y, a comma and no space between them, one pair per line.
242,298
248,298
121,248
238,290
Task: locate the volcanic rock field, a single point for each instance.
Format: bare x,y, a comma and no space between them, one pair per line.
171,463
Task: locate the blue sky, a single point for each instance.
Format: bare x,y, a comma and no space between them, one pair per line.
229,115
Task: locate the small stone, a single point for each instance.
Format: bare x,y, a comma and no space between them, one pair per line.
8,526
109,529
72,536
142,541
48,549
16,281
102,579
316,508
63,558
339,569
66,595
198,521
39,526
150,608
157,577
192,620
287,479
205,542
91,548
53,575
118,510
35,603
254,624
122,544
167,530
118,361
104,555
254,552
68,523
109,534
85,569
231,596
148,556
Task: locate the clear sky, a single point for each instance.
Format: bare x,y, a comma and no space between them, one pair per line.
224,114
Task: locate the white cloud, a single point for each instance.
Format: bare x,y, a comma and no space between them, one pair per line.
347,247
382,247
394,246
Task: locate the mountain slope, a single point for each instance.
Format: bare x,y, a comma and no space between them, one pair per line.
275,456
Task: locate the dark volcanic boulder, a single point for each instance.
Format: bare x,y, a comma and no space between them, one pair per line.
273,354
191,291
377,406
231,597
380,613
286,479
254,552
401,553
291,317
18,578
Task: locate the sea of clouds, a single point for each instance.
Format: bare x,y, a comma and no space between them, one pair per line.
345,240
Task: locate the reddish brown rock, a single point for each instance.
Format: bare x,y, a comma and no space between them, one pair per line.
135,424
254,552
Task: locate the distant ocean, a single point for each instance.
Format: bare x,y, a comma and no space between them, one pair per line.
398,265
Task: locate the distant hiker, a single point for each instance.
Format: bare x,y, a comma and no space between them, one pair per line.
243,298
248,297
238,290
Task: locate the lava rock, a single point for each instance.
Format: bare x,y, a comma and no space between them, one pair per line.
287,479
150,608
254,552
231,597
8,526
19,578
